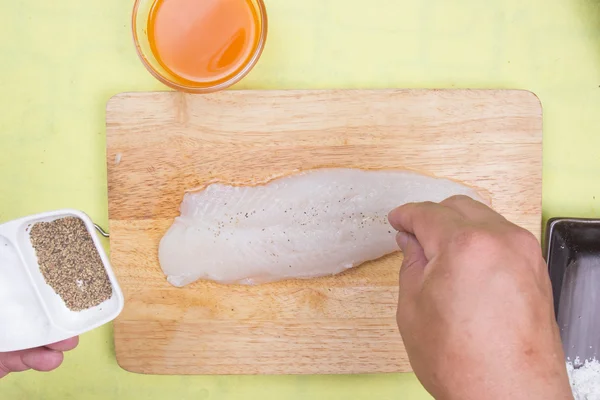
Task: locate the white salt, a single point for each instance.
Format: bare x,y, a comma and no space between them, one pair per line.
585,379
22,320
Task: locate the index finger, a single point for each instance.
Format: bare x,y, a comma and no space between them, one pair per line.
431,223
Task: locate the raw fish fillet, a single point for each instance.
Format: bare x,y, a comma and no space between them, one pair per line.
311,224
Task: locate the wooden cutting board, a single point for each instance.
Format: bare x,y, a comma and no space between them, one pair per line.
160,144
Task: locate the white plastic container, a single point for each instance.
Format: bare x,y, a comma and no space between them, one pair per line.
31,313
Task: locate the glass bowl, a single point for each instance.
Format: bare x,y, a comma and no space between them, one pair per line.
139,24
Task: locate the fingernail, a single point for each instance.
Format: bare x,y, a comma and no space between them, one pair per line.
402,240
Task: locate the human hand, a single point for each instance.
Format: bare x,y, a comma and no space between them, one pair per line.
475,309
44,358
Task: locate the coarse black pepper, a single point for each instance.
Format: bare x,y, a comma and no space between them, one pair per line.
70,263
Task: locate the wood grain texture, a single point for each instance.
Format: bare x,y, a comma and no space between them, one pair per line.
161,144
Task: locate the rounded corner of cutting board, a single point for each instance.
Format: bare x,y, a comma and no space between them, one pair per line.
534,100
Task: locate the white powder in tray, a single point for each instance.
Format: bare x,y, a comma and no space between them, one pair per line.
585,380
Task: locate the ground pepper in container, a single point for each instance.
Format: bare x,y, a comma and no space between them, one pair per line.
70,262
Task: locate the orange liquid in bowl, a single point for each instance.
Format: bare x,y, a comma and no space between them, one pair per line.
203,41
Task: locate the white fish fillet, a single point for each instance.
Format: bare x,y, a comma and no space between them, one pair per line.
306,225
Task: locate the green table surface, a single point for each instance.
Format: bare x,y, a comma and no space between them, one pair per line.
61,61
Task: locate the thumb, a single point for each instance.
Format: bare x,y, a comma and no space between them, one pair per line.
413,265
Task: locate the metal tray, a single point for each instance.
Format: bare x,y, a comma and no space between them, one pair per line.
573,257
